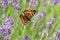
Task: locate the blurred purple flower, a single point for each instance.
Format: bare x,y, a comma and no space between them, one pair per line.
51,20
54,2
9,21
49,23
15,4
16,0
33,3
58,34
1,2
1,32
41,15
5,4
7,27
57,39
6,33
26,38
6,30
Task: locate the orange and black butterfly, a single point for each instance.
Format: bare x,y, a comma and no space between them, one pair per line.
27,16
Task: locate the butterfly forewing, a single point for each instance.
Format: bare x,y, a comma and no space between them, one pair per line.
29,13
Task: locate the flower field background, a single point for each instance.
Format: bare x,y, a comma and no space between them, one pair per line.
44,25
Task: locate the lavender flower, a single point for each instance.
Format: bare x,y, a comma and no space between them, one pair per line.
58,34
1,2
40,15
16,0
5,4
49,23
7,27
9,21
6,30
33,3
54,2
15,5
1,31
51,20
26,38
57,39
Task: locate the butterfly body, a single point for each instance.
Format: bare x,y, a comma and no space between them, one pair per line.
27,16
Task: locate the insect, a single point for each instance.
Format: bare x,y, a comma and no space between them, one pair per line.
27,15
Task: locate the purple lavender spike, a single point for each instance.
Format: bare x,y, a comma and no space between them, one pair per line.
58,34
5,33
54,2
0,2
57,39
15,5
1,30
16,0
41,15
5,3
49,23
9,21
33,3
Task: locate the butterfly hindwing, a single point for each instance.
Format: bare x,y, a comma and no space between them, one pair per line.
23,19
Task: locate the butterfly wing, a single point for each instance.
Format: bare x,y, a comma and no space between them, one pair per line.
29,13
23,19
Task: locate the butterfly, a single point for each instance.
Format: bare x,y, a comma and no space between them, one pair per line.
27,15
